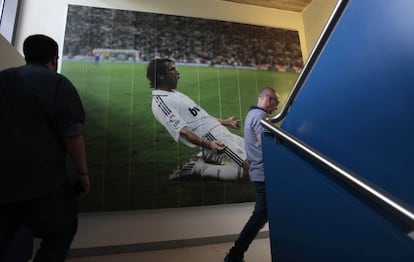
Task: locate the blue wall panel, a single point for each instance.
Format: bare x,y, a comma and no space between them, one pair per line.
356,107
315,219
357,104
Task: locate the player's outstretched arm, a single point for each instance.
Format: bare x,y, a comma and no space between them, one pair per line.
214,145
230,122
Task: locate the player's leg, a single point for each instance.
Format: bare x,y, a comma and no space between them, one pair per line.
196,168
186,170
234,145
229,172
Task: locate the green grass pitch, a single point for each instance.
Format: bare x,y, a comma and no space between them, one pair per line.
130,155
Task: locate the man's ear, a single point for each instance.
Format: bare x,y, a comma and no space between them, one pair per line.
52,64
55,59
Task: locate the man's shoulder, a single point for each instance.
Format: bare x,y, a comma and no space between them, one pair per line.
256,112
9,70
8,75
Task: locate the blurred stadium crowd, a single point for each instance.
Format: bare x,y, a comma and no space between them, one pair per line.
185,39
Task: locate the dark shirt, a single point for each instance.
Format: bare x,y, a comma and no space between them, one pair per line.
38,107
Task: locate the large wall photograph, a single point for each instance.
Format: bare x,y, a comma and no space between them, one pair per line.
222,66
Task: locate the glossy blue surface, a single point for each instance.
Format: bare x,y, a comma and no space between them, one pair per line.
356,107
314,219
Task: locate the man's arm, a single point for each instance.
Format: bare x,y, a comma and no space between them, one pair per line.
75,145
259,138
214,145
230,122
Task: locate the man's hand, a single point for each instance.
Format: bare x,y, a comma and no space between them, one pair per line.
231,122
216,146
82,185
213,145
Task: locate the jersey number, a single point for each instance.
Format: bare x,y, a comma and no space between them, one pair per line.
194,110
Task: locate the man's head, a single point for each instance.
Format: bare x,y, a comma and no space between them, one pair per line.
162,74
268,99
41,49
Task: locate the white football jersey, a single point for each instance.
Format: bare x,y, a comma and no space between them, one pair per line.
174,110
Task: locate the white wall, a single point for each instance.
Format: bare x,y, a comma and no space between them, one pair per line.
41,17
315,18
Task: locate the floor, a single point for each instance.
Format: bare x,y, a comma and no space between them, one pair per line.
200,234
259,251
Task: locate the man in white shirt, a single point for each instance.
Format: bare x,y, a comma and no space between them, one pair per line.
223,156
